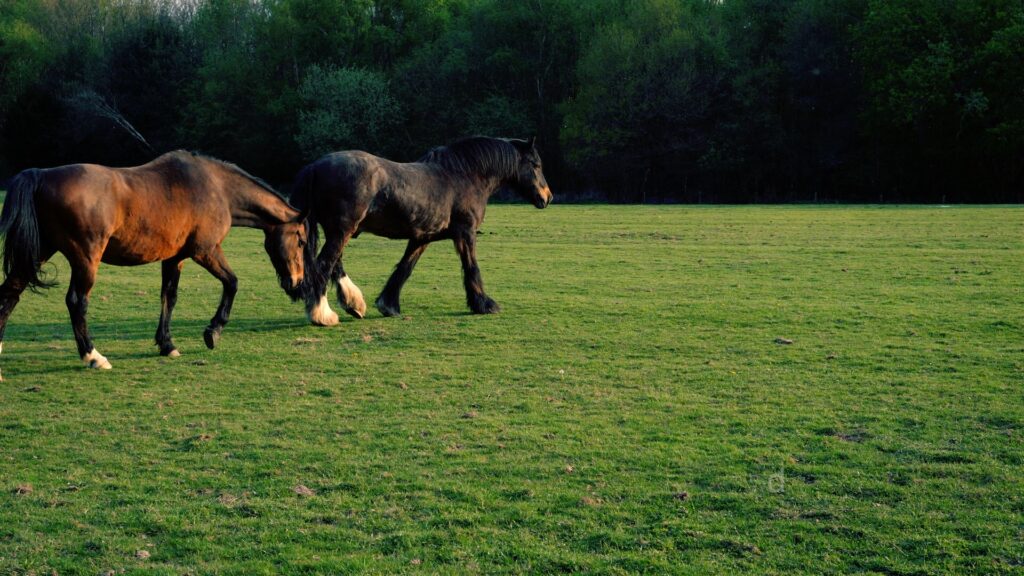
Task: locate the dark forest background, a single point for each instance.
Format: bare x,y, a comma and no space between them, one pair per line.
631,100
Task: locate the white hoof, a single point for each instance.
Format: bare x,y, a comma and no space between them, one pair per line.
96,360
173,353
322,315
351,297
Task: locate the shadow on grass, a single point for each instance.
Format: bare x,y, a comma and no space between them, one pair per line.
140,330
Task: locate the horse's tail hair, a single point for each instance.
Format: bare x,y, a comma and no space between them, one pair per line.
20,228
302,199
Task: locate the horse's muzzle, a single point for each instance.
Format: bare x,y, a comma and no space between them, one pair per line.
292,289
544,198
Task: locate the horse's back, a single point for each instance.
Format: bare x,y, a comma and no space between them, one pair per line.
351,172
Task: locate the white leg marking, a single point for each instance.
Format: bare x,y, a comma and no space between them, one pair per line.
322,315
352,297
93,359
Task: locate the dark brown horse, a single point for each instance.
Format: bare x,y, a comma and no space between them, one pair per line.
178,206
441,196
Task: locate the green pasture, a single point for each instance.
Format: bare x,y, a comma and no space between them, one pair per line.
684,390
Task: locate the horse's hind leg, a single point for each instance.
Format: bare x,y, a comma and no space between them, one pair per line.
479,303
10,293
215,263
83,276
388,301
171,273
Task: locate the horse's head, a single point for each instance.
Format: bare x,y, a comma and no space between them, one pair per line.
529,181
285,244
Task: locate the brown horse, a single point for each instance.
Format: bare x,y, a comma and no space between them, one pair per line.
179,206
441,196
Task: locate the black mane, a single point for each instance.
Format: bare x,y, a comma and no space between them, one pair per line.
475,155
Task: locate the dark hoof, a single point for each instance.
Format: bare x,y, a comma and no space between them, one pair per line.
387,309
170,350
353,312
483,305
211,336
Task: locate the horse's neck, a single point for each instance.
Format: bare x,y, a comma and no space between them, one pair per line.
485,186
254,207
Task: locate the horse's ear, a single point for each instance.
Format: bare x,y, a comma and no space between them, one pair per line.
532,143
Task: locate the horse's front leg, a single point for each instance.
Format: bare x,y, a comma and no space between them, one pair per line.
318,309
479,303
83,276
215,263
171,274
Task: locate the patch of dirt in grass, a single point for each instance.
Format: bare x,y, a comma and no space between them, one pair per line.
856,436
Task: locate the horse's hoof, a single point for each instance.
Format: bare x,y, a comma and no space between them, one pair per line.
169,350
96,360
484,305
351,297
211,336
322,315
387,309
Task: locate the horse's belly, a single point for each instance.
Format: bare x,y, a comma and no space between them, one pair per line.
394,222
141,250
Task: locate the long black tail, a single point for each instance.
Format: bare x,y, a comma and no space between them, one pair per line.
20,229
302,199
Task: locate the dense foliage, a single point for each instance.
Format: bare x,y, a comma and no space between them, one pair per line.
631,100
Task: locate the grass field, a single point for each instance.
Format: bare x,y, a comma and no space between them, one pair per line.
629,410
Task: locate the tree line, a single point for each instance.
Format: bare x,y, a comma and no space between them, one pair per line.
631,100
